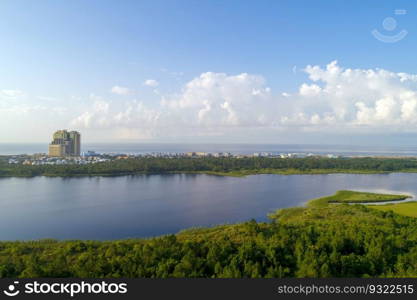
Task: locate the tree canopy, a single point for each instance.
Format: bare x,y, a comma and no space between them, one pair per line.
222,165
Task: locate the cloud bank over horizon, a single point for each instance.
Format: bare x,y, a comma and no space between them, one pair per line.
333,100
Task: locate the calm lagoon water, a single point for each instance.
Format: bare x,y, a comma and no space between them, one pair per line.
150,205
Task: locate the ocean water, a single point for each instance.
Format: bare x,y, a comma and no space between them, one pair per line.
350,150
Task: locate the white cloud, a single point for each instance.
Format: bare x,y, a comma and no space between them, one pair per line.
98,114
207,105
356,99
120,90
151,83
334,99
217,99
309,90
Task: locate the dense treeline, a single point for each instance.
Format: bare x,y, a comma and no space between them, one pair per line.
339,241
167,165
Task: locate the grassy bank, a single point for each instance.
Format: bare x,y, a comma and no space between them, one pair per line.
406,209
345,196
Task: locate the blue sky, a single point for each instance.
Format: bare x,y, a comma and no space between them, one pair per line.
68,56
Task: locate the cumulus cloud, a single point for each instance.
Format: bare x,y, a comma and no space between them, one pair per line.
130,120
333,99
120,90
98,115
309,90
218,99
207,105
356,99
151,83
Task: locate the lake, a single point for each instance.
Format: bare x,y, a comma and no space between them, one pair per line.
149,205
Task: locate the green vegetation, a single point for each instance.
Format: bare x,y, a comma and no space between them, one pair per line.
356,197
217,166
314,241
405,209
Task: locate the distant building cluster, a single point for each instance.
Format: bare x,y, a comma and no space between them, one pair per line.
65,143
44,159
207,154
92,157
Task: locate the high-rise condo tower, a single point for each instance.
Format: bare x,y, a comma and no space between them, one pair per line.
65,143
